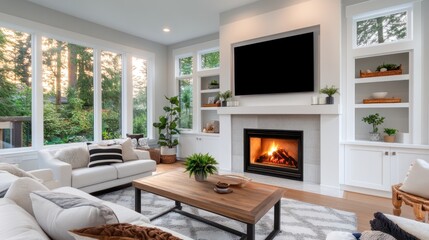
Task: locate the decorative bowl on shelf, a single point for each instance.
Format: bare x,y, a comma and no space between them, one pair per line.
379,94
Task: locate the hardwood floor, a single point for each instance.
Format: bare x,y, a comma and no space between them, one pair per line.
363,205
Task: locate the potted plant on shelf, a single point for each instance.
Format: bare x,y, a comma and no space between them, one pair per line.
330,91
374,120
200,165
224,96
167,128
391,132
214,84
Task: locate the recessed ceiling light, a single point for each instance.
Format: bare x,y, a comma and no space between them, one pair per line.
166,29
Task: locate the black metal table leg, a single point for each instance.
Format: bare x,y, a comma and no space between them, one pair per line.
138,200
250,231
277,221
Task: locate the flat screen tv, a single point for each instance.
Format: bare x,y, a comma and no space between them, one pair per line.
282,65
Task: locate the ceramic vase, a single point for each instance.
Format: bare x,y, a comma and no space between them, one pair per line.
374,136
200,177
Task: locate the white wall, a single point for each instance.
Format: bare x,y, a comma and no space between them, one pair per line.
301,14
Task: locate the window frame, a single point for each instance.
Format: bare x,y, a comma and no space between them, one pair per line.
383,12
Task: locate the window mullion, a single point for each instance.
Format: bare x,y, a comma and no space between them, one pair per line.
127,95
37,92
97,96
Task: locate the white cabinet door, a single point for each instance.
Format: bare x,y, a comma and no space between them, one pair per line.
194,143
187,145
403,157
368,167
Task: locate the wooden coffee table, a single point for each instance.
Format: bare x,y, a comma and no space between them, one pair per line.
248,204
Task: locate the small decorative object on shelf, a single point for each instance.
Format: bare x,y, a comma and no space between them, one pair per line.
200,165
224,96
374,120
330,91
214,84
383,70
390,137
381,100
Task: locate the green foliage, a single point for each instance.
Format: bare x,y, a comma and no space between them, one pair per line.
186,104
168,124
330,91
199,163
214,82
374,120
223,96
185,66
140,112
210,60
388,66
390,131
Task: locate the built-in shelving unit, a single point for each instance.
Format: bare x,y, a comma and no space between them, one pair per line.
207,93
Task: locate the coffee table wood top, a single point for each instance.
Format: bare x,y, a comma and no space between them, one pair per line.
247,204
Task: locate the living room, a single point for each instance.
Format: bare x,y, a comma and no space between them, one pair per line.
333,134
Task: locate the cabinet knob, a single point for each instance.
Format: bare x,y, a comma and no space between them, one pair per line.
386,153
393,153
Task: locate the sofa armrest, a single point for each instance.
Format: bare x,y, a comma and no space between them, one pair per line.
142,154
61,170
44,174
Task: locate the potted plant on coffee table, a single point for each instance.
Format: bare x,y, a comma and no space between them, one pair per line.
200,165
167,129
330,91
374,120
391,132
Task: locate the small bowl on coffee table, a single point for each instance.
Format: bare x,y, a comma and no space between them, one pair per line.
222,188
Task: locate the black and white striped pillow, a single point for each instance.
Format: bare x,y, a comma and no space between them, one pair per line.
104,155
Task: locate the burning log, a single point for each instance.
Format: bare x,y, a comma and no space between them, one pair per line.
280,156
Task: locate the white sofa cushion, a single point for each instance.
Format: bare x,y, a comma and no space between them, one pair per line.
17,223
104,155
57,213
6,179
131,168
20,191
417,179
83,177
124,214
77,157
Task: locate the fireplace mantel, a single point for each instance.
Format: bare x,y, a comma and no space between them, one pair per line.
330,109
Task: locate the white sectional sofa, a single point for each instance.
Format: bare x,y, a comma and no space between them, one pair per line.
18,224
70,167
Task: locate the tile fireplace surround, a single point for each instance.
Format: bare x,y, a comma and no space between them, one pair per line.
321,137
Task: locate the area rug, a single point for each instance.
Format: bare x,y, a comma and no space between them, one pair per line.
299,220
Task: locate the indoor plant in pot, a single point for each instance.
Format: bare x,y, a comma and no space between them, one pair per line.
200,165
374,120
167,128
391,132
224,96
330,91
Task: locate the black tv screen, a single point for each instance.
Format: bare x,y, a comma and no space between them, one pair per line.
283,65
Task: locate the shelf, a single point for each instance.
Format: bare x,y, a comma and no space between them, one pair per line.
282,109
383,105
208,108
391,78
384,144
210,90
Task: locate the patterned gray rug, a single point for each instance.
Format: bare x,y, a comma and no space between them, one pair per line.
299,220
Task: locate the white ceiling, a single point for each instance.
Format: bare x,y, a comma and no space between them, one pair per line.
187,19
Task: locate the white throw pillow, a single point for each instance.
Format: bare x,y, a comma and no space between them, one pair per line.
57,213
6,179
417,180
104,155
19,191
77,157
127,149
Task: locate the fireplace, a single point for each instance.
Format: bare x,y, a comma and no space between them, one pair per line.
274,152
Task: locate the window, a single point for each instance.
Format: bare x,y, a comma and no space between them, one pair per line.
382,29
185,101
139,78
209,60
15,89
185,66
67,92
111,75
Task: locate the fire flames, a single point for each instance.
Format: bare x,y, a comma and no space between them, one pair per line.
276,154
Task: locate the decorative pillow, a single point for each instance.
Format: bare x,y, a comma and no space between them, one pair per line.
19,191
383,224
77,157
144,143
417,179
6,179
104,155
122,231
57,213
11,168
375,235
127,149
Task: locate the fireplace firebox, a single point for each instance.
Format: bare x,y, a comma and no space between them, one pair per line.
274,152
